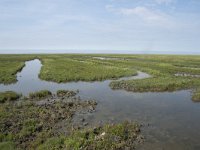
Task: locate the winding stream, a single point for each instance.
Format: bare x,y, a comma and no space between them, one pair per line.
28,81
171,121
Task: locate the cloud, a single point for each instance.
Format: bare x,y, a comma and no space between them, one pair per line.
144,13
164,1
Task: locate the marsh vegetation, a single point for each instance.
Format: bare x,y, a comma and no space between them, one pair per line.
43,119
65,68
10,65
196,95
40,94
27,124
8,96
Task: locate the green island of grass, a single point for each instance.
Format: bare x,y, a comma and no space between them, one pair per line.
69,69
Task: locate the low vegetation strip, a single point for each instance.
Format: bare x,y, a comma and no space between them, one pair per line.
155,84
63,70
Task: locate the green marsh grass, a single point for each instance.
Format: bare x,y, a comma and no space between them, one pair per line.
86,67
8,96
65,70
116,136
40,94
196,95
67,93
10,65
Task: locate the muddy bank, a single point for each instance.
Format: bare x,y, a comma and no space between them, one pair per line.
27,123
45,121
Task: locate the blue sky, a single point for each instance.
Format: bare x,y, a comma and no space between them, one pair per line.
100,26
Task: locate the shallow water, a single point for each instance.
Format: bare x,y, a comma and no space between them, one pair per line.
171,121
28,81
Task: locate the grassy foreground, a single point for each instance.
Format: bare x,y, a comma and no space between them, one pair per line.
46,124
124,135
27,122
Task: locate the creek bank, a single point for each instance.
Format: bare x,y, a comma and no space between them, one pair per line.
8,96
47,123
28,122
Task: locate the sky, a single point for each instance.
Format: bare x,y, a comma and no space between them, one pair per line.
100,26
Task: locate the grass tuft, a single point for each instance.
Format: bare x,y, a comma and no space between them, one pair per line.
196,95
66,93
40,94
8,96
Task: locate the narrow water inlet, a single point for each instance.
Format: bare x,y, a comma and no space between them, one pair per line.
28,80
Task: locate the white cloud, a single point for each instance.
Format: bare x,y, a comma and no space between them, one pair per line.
164,1
142,12
109,7
145,14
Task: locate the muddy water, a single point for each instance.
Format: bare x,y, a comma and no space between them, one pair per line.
171,121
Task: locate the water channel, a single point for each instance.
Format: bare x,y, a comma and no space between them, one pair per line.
171,120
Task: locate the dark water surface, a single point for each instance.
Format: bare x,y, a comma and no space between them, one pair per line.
171,121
